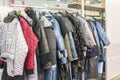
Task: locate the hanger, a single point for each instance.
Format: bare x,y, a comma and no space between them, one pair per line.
27,8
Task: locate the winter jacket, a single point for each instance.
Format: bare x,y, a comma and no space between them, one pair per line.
49,59
65,24
35,75
103,39
62,53
32,42
42,47
5,76
82,31
89,34
66,27
102,34
13,47
80,41
38,29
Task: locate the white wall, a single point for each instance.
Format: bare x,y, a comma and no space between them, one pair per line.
5,11
4,3
113,31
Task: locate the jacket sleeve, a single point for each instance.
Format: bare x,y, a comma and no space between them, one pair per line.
102,34
62,52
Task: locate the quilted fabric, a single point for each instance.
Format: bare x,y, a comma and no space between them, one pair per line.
32,42
21,52
13,47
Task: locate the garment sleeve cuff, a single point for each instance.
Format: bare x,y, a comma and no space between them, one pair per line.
1,66
63,60
62,56
30,71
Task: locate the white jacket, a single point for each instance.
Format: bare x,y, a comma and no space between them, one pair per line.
13,47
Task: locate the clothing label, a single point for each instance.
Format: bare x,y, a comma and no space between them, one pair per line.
59,55
62,54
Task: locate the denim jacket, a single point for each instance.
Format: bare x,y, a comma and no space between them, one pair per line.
100,37
62,53
104,41
102,34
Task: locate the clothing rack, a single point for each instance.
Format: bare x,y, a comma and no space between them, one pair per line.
62,54
86,7
96,16
47,8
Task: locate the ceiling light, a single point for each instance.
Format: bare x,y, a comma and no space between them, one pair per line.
58,0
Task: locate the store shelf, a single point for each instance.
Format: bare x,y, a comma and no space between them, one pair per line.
87,7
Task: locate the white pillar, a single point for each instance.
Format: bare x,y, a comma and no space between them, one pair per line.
82,8
113,32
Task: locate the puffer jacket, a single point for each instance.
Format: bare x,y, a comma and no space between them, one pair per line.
39,32
42,47
13,47
32,42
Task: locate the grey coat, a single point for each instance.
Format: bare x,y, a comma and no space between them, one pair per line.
49,58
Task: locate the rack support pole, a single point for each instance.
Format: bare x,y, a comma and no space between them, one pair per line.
83,8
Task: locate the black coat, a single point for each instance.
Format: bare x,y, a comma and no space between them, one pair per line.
65,25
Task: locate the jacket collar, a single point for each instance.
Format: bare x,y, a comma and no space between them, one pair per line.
10,17
46,22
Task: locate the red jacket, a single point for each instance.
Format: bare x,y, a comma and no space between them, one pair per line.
32,42
1,64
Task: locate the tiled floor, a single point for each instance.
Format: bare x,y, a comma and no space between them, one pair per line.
116,78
